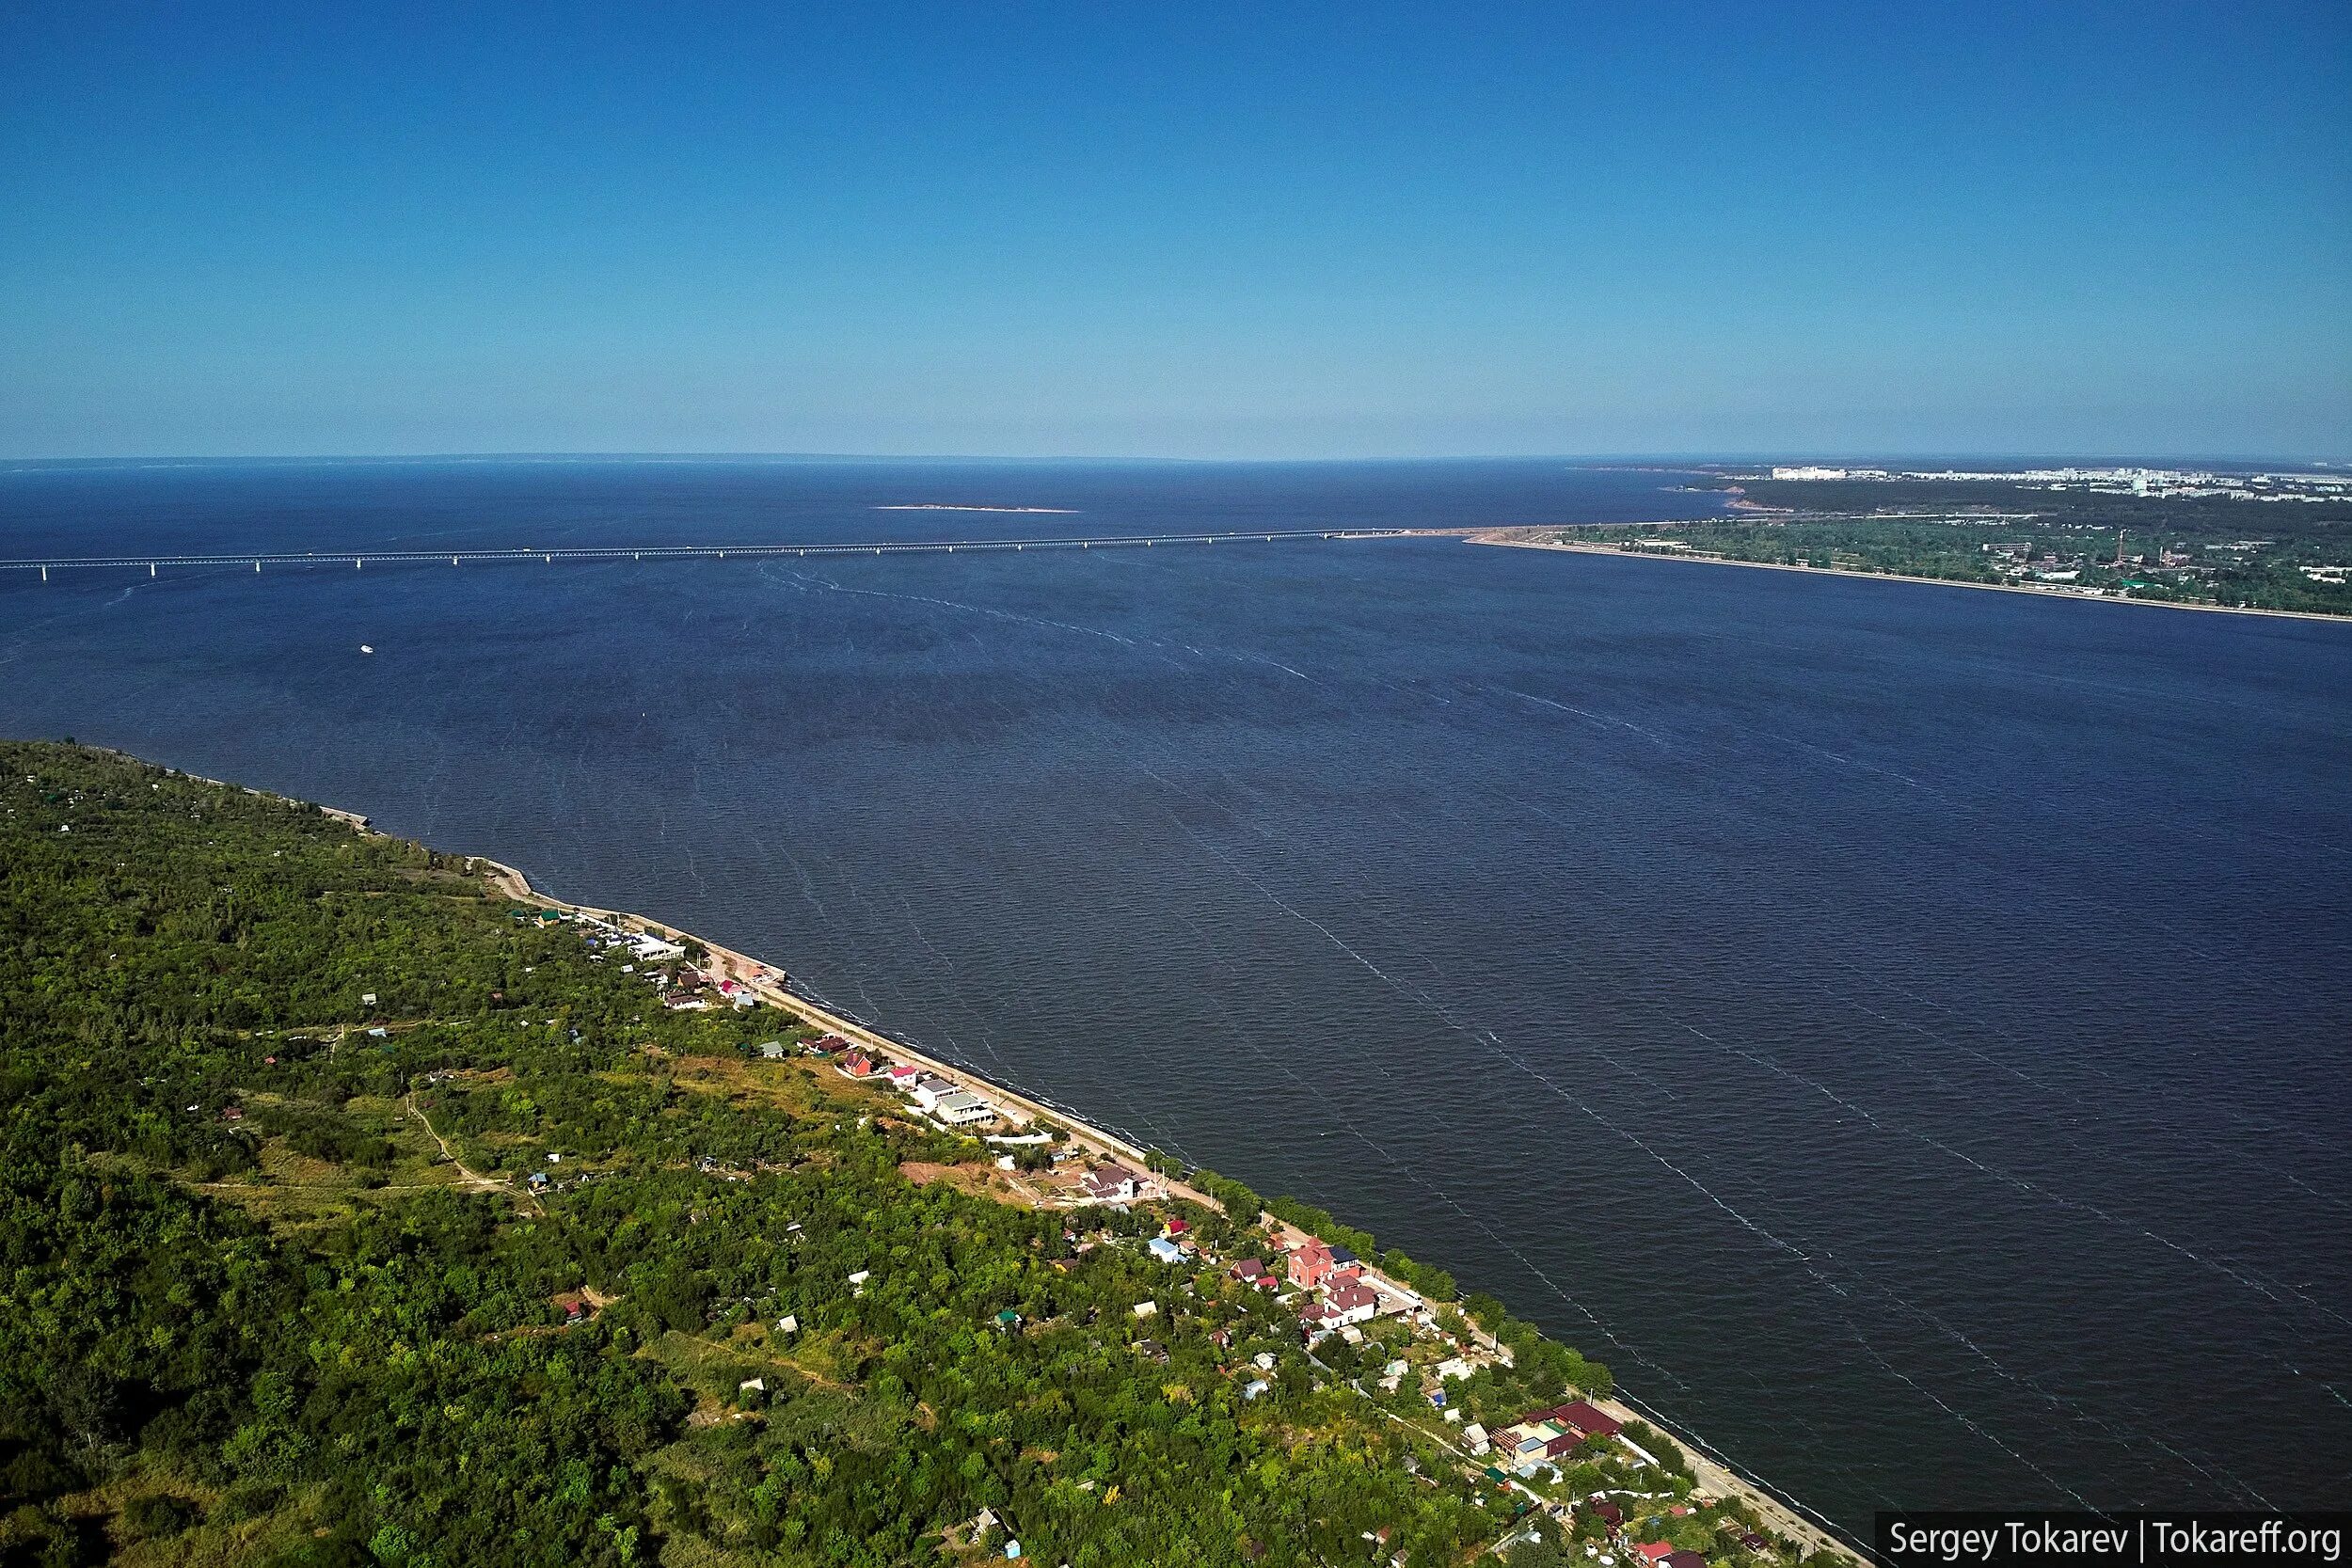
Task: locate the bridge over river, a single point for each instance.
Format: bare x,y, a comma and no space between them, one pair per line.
361,558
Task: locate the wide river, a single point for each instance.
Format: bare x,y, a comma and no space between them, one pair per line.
1902,1030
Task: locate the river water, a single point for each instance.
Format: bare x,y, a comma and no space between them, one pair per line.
1901,1029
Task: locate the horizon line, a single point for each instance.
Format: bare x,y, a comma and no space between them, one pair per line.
1691,458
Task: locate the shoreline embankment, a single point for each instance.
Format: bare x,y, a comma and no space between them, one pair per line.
768,983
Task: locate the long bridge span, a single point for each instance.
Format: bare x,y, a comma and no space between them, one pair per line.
360,559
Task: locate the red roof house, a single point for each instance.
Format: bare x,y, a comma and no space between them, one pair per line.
1312,1265
1584,1419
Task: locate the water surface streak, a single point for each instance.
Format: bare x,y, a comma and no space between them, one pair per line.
1901,1029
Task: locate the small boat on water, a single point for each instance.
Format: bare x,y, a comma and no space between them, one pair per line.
365,648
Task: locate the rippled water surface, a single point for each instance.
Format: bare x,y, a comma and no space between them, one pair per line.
1903,1029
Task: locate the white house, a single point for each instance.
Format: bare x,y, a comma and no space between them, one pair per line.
1349,1303
1112,1184
962,1108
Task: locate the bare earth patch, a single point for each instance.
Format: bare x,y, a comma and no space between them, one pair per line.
980,1181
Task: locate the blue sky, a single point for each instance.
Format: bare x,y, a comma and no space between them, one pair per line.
1182,231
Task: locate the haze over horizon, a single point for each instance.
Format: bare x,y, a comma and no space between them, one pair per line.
1829,232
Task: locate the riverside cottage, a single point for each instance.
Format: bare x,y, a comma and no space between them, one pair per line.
962,1108
1112,1184
1311,1266
1548,1436
1346,1304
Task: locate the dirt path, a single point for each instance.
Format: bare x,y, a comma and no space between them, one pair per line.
469,1179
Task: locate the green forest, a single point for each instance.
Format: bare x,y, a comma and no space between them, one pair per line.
352,1215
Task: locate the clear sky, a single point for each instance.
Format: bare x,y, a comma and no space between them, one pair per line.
1181,230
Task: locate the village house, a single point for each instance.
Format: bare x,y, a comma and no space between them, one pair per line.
1312,1265
1251,1271
857,1064
927,1090
962,1108
1347,1304
1549,1436
1112,1184
1580,1417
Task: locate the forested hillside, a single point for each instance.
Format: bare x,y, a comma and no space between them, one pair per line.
273,1288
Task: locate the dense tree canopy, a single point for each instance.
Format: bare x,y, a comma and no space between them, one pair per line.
274,1287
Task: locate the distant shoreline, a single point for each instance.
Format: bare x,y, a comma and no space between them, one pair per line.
948,506
1495,537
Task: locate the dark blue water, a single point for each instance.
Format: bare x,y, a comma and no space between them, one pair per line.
1903,1029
